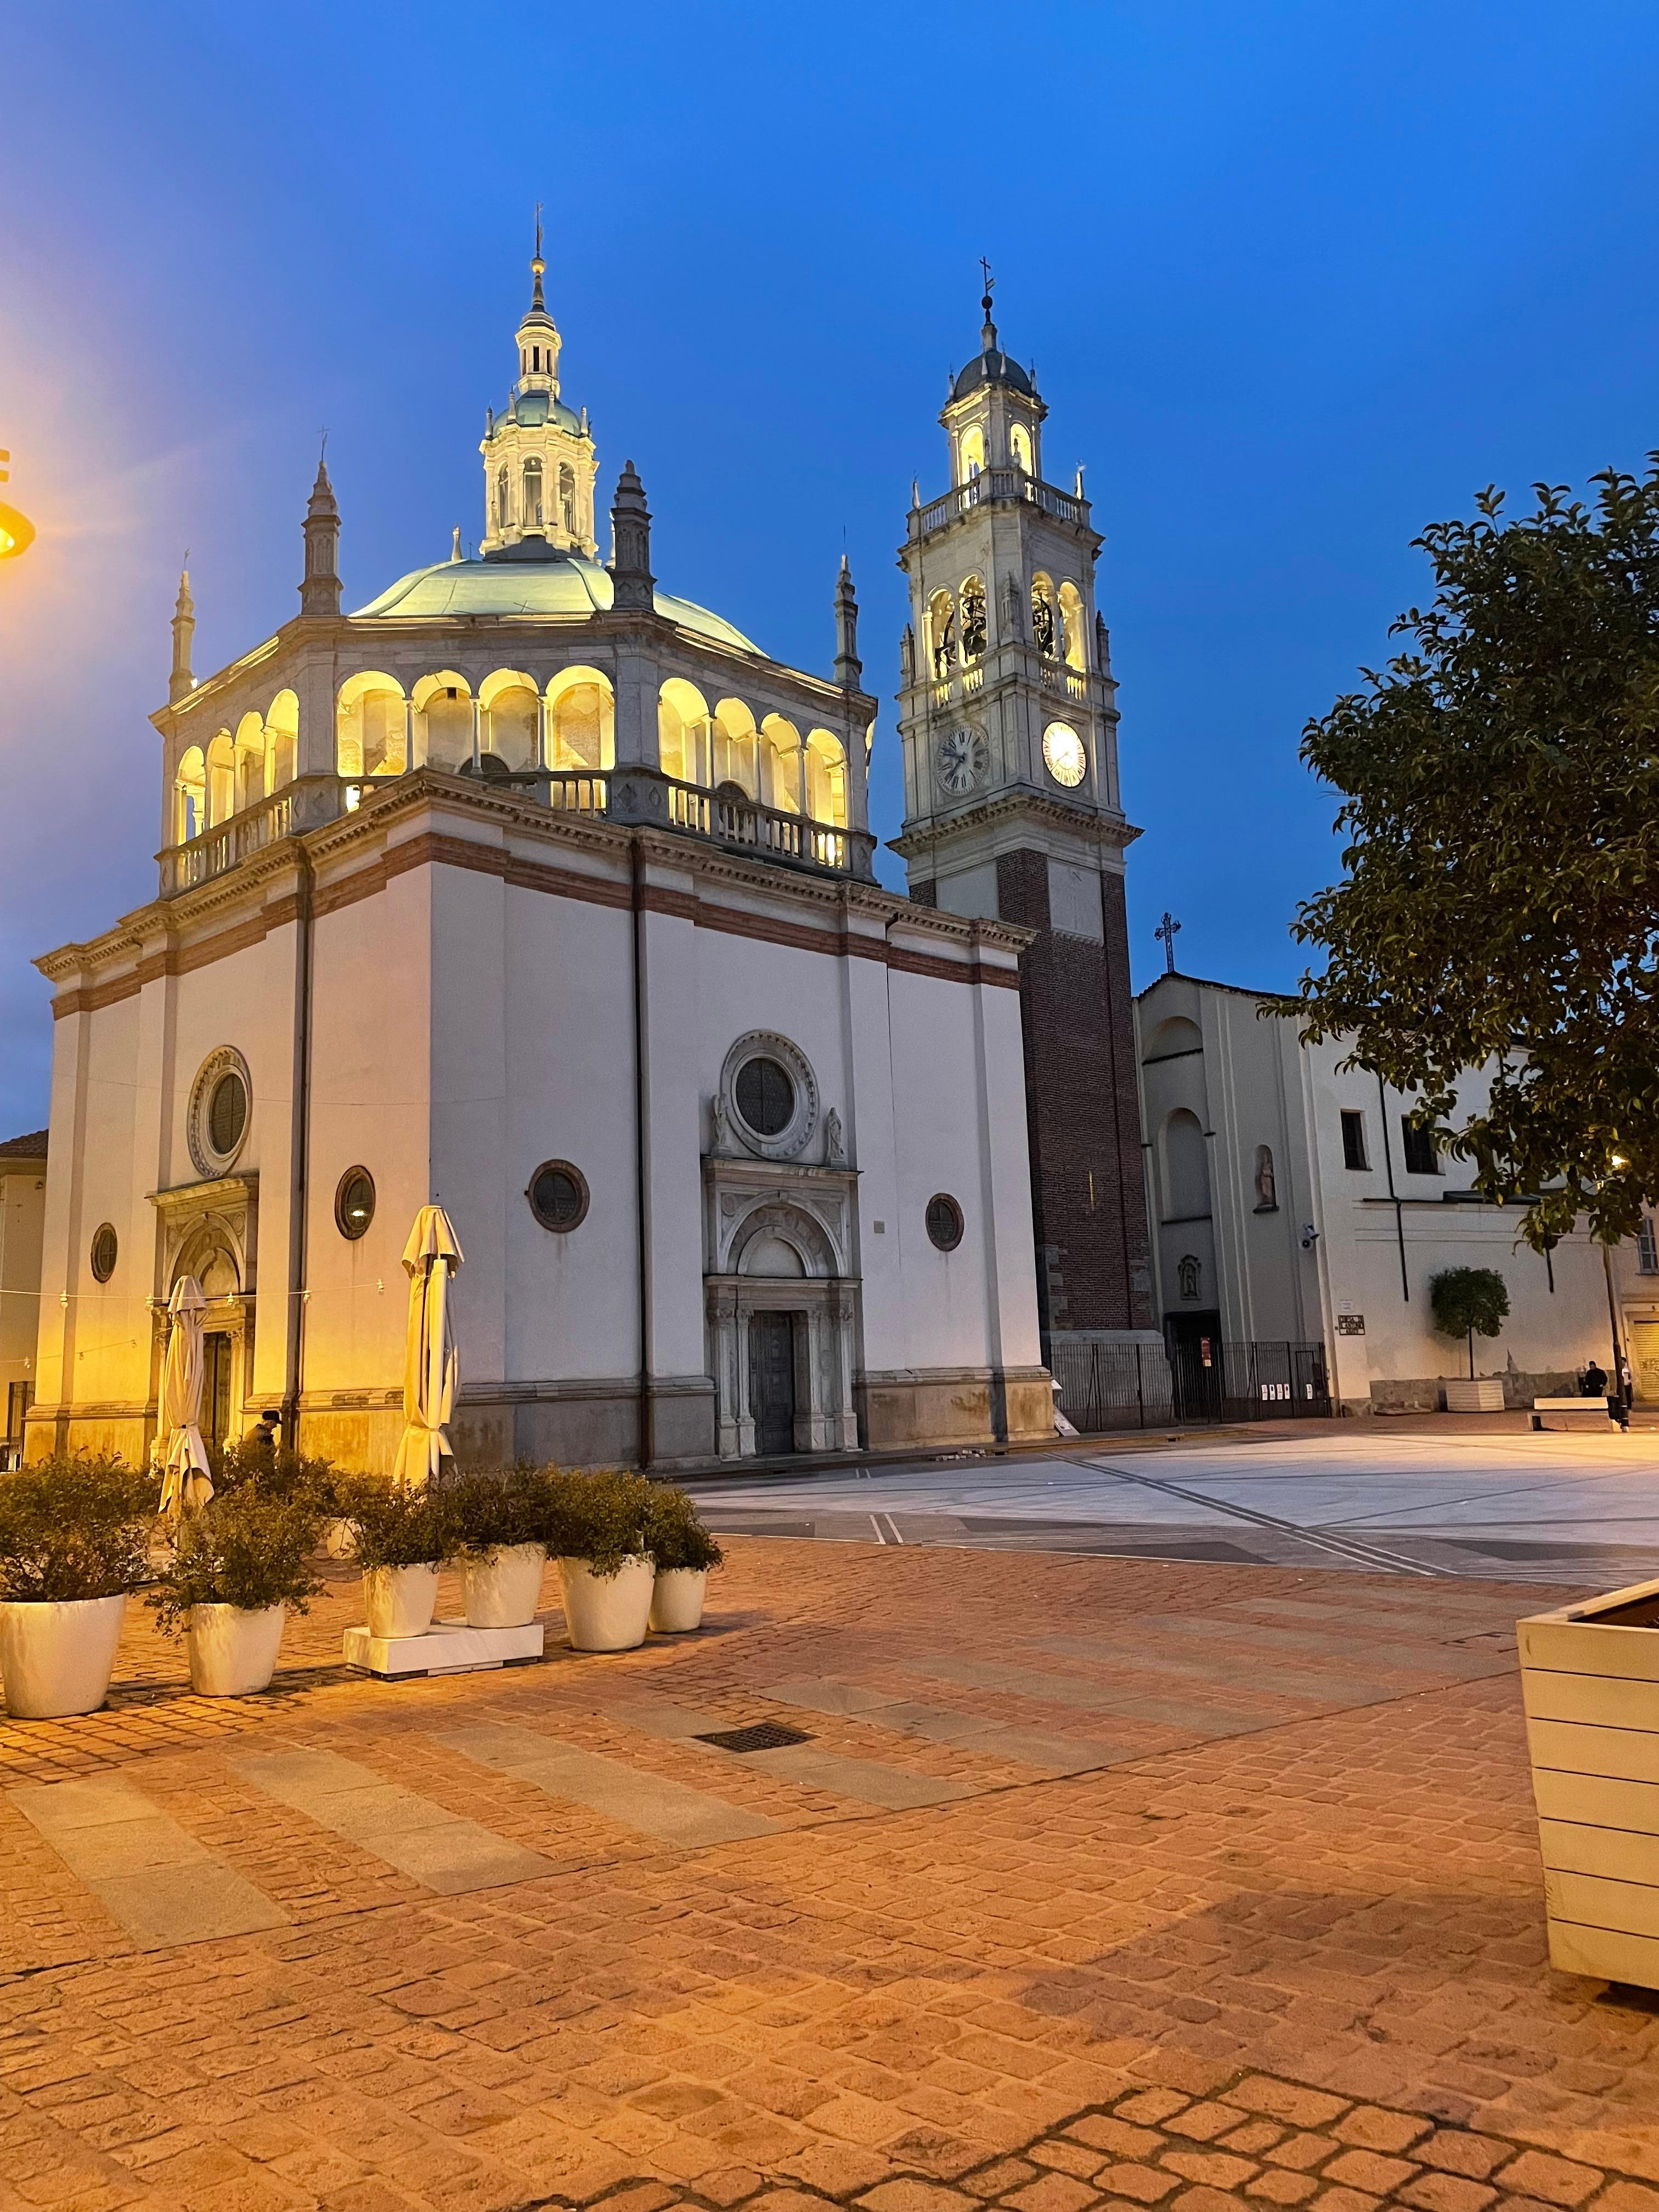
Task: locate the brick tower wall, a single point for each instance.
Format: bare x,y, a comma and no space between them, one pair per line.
1082,1108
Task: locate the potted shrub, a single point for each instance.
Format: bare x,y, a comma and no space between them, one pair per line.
1471,1301
684,1552
74,1540
280,1473
399,1540
501,1526
233,1571
597,1526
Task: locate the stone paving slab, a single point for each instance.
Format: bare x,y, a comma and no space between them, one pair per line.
650,1802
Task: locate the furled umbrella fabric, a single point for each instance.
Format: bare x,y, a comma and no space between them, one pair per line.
431,1370
185,1478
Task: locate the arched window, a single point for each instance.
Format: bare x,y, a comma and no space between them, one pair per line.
971,455
1019,445
683,732
189,788
1072,626
1186,1168
282,730
532,494
512,719
973,619
567,498
942,635
780,764
369,725
250,761
1045,630
221,780
501,498
737,749
826,777
443,721
581,729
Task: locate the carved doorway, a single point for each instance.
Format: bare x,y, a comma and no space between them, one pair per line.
217,1348
772,1381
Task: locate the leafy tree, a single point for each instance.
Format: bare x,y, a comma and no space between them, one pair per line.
1500,903
1469,1302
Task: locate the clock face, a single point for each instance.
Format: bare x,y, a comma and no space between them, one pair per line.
963,759
1062,748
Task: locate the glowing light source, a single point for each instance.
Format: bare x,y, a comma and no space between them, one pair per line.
16,530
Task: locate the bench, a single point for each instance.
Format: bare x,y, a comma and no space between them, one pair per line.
1571,1412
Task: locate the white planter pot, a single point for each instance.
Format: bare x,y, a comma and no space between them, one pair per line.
677,1599
1589,1680
399,1600
233,1651
1486,1397
55,1659
501,1587
607,1613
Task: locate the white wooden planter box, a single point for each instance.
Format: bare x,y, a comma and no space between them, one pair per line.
1485,1396
1590,1677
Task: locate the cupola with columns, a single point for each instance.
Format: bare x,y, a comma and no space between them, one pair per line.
539,455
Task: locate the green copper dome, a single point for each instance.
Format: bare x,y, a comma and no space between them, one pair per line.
563,586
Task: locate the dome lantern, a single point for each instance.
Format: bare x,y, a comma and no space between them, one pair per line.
538,456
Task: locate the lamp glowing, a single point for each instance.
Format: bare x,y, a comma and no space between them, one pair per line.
16,530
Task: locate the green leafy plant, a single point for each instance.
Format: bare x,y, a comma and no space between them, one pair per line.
1499,906
75,1527
243,1548
602,1518
278,1473
395,1528
1469,1302
497,1506
675,1534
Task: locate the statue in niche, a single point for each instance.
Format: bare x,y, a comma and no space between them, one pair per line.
973,619
1266,1194
834,1150
721,1145
908,655
945,646
1186,1274
1014,618
1043,623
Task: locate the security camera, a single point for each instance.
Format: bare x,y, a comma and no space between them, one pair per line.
1309,1236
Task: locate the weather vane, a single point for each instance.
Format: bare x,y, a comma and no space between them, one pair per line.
1166,931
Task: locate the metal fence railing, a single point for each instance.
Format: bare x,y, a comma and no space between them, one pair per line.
1106,1384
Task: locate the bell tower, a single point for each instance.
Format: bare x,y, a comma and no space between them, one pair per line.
1008,726
538,457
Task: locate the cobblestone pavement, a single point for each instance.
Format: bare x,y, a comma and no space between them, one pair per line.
1090,1882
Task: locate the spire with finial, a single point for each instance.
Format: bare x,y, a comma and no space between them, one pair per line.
319,591
181,684
632,585
849,669
988,329
537,266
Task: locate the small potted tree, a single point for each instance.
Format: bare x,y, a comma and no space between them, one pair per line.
73,1541
1471,1301
501,1527
234,1569
597,1523
399,1540
682,1551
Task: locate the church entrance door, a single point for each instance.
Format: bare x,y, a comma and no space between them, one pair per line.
216,1387
772,1381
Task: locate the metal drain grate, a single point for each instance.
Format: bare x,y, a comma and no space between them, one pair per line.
760,1735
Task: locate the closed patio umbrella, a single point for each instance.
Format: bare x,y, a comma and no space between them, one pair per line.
430,1368
185,1478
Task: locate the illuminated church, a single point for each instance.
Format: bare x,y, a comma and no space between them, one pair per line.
535,889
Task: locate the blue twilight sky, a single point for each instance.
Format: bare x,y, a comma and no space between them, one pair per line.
1297,279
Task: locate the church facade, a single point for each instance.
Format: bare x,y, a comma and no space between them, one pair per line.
536,890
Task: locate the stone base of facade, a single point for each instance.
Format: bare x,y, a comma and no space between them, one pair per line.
941,1408
1427,1393
126,1430
579,1424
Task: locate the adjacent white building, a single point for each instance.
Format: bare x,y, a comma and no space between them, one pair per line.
23,1219
542,892
1292,1202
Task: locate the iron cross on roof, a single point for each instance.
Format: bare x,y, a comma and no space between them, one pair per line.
1166,930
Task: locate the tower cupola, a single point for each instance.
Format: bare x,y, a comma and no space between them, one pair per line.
993,414
538,453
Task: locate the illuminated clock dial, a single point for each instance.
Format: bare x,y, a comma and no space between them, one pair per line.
963,760
1062,748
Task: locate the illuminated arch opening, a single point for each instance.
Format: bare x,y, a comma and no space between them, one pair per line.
1045,619
781,765
581,721
221,780
282,735
974,618
511,718
369,725
443,720
190,794
826,777
941,635
1019,445
736,748
250,747
683,732
970,454
1072,626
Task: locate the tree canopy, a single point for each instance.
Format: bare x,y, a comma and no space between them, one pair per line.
1500,898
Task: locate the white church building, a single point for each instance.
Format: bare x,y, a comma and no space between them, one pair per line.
535,889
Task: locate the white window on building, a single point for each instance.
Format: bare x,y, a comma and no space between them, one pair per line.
1647,1249
1354,1154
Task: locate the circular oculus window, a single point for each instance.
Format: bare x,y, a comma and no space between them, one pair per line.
220,1107
354,1203
944,1223
765,1095
1062,750
105,1249
558,1195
